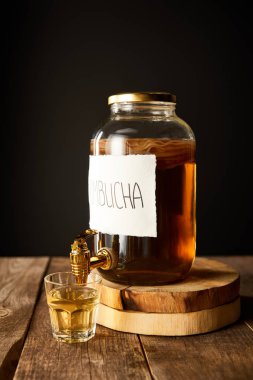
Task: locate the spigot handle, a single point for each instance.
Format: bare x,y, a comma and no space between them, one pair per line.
86,234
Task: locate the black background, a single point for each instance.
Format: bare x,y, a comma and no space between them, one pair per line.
61,62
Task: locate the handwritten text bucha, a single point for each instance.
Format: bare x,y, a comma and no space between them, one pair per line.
118,195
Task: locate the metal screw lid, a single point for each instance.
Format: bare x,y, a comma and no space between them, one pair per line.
151,97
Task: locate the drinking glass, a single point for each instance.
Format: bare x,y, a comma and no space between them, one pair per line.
72,307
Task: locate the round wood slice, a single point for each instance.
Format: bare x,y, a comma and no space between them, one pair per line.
174,324
210,284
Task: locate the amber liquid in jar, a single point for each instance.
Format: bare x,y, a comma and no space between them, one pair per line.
169,256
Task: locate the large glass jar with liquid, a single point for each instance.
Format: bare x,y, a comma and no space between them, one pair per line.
142,189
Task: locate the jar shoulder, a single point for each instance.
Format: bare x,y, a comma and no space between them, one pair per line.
169,128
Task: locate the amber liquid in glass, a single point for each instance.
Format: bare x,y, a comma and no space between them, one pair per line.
72,311
169,256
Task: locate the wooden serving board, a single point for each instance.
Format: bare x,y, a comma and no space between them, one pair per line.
206,300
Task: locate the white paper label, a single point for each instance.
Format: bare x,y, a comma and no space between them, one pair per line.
122,194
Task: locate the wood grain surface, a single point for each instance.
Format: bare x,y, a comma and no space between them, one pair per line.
222,355
173,324
210,283
110,355
20,280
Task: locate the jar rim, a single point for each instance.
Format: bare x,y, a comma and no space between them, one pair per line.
165,97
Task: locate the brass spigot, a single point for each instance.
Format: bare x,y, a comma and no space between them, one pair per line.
81,260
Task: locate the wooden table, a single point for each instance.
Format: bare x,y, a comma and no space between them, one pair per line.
28,351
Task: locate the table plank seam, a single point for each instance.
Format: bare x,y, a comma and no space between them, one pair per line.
13,355
23,340
146,358
248,325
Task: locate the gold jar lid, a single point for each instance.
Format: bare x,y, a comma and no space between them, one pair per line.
151,97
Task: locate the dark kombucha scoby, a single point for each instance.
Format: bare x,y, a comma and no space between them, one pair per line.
169,256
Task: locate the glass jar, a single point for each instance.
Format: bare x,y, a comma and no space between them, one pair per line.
161,166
